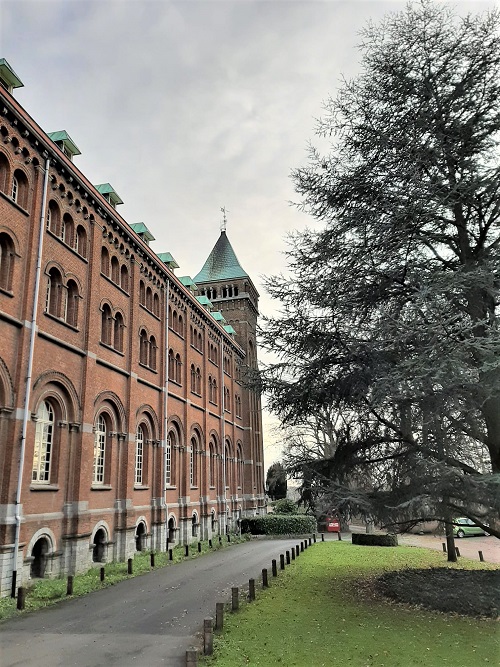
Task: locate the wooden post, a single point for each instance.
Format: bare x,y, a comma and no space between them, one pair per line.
310,541
220,539
314,538
302,546
130,566
305,544
21,597
219,615
69,585
208,636
265,583
282,561
103,574
228,537
293,553
152,559
481,557
191,657
444,546
186,550
170,554
322,537
287,557
199,547
457,550
210,544
339,536
251,589
235,598
297,550
274,568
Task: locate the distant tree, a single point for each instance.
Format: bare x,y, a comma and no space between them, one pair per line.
276,483
390,314
285,506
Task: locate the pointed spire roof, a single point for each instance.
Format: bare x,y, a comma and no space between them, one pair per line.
222,263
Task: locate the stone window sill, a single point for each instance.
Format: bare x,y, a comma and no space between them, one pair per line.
44,487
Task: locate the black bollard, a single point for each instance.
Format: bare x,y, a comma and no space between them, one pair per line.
69,585
130,565
274,568
152,559
282,561
103,574
251,589
265,583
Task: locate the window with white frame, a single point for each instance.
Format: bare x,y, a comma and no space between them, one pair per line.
99,451
139,456
168,461
44,439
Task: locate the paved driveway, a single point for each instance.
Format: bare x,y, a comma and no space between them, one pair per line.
149,620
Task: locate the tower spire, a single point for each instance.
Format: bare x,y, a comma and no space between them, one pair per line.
223,224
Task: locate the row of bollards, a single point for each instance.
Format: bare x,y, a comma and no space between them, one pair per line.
21,591
208,623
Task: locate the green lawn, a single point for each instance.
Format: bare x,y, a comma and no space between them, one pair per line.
320,612
45,592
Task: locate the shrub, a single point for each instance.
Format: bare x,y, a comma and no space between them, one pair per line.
374,540
279,524
285,506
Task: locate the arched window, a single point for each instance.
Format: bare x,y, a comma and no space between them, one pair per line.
227,400
171,365
156,305
105,261
144,345
4,172
72,298
228,465
200,341
106,319
19,191
239,468
140,537
152,353
115,270
7,255
149,298
180,326
215,399
198,381
99,550
100,442
178,369
39,556
118,332
44,440
139,455
175,319
142,293
192,334
168,461
173,442
67,230
124,277
193,379
81,241
211,465
192,462
194,525
54,293
53,217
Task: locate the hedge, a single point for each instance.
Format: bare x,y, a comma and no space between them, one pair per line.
374,540
279,524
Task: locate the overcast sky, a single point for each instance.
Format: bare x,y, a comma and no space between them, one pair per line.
188,106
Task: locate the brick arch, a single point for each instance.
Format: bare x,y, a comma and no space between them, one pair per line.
146,410
56,384
13,237
110,400
6,386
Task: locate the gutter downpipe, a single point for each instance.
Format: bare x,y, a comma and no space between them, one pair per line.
223,432
165,417
27,393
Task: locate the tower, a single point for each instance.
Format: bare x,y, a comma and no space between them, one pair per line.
231,291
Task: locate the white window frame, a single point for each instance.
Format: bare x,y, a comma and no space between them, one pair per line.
139,455
44,442
100,436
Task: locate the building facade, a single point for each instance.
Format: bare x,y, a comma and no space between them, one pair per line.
125,420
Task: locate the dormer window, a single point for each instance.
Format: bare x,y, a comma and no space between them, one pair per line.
65,143
142,232
109,194
8,78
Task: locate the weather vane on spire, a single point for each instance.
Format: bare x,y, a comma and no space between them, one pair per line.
223,224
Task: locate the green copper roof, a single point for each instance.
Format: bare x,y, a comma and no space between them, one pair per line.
167,259
68,143
188,282
229,329
141,230
218,316
109,192
222,263
8,75
205,301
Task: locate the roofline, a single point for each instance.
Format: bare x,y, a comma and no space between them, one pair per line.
49,148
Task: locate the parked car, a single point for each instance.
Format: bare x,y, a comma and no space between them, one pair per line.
464,526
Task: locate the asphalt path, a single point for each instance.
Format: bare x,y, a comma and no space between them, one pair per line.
149,620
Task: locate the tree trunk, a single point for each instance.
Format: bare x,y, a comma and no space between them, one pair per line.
450,543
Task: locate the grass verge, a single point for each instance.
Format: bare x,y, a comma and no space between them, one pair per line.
322,611
46,592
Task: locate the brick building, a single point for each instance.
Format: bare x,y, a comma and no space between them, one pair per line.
125,423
